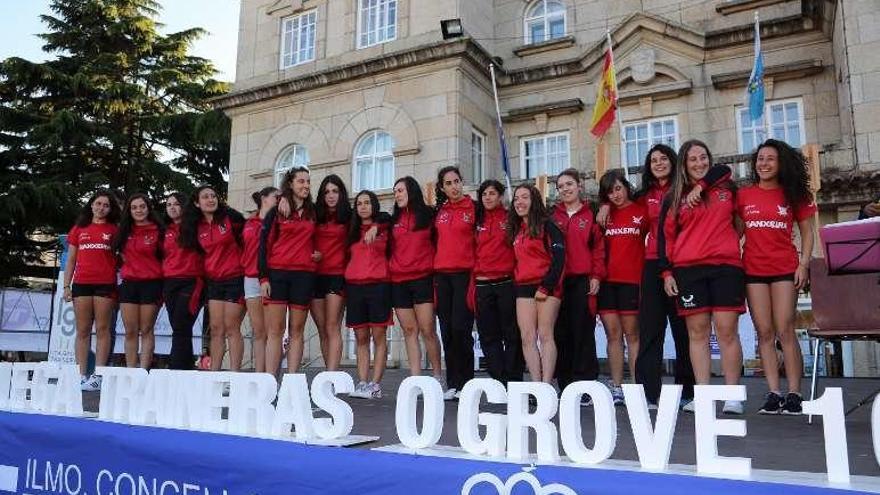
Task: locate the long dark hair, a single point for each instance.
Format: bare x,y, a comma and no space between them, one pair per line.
181,199
192,215
258,196
423,213
648,178
354,226
535,218
308,206
343,206
85,216
606,184
480,210
440,196
793,175
127,223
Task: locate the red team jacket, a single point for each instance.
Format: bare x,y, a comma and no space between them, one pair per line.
222,251
286,243
455,236
625,234
250,237
703,235
769,221
540,260
584,244
178,262
368,263
412,251
330,242
140,261
494,254
95,261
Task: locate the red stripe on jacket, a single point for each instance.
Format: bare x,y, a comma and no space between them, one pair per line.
330,242
625,234
455,236
584,244
368,263
177,261
222,252
412,251
704,235
139,257
494,254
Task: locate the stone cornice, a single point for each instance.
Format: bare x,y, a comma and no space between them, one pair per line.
793,70
464,48
546,46
564,107
655,91
726,7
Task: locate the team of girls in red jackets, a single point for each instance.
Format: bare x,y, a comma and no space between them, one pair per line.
533,278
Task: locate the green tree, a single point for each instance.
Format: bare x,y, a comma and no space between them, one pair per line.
119,105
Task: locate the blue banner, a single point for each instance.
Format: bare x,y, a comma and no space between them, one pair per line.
50,454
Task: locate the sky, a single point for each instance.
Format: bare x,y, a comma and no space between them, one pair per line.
20,22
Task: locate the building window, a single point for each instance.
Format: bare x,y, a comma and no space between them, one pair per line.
638,137
782,120
544,155
377,22
545,21
478,155
295,155
298,39
374,162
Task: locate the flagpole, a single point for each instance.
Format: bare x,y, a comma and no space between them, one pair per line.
616,105
501,141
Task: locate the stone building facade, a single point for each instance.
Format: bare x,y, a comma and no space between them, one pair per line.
370,90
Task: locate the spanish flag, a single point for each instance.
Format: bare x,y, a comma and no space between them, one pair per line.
606,97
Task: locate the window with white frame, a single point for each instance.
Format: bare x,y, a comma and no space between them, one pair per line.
298,39
374,162
376,22
638,137
544,21
478,155
295,155
782,120
544,155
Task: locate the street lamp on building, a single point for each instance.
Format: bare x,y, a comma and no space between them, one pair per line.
451,28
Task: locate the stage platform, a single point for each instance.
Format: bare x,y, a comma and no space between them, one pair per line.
785,443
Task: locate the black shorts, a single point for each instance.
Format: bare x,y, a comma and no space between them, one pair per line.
769,279
227,290
94,290
528,291
293,288
406,295
328,284
368,305
707,288
140,292
618,298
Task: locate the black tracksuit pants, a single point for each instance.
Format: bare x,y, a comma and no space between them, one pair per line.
179,298
575,334
456,326
499,335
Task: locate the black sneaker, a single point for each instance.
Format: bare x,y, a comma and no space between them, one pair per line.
792,405
772,404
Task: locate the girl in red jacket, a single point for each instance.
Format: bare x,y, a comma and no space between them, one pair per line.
182,271
139,246
412,274
584,270
333,211
264,199
495,295
453,263
625,233
287,269
90,280
779,198
368,302
703,268
539,250
215,230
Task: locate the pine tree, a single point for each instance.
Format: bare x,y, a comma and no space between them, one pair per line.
120,105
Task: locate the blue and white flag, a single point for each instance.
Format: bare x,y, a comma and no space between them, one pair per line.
505,163
755,88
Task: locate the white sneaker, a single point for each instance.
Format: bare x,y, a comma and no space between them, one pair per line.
652,406
450,394
733,407
360,391
90,384
689,407
457,394
375,390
